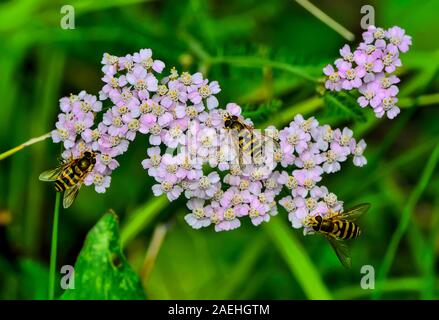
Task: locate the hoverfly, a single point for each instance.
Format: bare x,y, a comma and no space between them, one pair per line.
69,176
339,226
250,142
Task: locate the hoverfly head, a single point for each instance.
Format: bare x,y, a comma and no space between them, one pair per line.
314,222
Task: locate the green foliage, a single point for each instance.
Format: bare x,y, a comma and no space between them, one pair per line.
342,105
298,260
101,270
268,57
262,111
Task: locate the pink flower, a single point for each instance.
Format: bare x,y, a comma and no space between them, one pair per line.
377,55
358,150
397,37
351,75
334,80
205,91
144,57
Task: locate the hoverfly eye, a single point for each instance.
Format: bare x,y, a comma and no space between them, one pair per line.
87,154
319,219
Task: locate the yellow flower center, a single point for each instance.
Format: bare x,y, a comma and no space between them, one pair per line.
204,91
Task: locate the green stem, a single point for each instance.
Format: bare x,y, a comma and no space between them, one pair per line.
24,145
319,14
53,249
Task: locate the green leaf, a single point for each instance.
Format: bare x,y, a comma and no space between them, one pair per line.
141,218
101,270
343,105
262,111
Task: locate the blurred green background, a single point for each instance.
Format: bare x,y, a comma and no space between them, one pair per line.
245,45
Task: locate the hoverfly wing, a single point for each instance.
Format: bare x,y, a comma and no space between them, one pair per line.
70,195
354,213
53,174
341,250
267,138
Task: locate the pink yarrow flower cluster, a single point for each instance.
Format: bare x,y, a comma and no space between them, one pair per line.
194,155
309,151
129,82
369,69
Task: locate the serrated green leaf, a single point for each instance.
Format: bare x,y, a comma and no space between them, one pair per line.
343,105
262,111
101,270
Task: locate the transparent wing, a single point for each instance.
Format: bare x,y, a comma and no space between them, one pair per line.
53,174
355,212
263,135
267,138
70,195
341,250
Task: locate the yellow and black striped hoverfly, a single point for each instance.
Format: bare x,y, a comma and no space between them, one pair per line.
69,176
250,141
337,227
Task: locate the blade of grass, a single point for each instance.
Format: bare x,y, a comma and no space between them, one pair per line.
242,269
430,258
152,252
297,259
396,198
402,160
405,219
141,217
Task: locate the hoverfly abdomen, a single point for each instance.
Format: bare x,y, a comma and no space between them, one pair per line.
68,177
59,186
347,230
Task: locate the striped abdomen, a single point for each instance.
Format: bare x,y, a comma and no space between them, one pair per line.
250,143
341,229
69,177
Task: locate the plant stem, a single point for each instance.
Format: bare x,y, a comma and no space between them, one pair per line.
53,249
319,14
24,145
